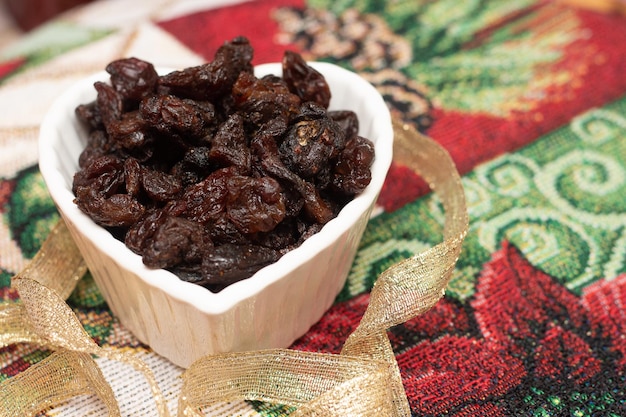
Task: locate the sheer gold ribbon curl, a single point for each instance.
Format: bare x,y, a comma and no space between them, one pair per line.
364,380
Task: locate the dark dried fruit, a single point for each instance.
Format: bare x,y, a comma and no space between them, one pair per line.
104,175
231,263
211,172
206,200
261,100
160,186
254,204
213,80
230,147
98,145
109,104
176,241
128,131
305,81
352,172
141,233
314,206
311,144
171,115
347,121
89,114
133,78
132,176
118,210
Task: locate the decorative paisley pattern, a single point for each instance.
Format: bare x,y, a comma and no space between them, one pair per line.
567,207
560,201
588,184
508,176
598,126
550,240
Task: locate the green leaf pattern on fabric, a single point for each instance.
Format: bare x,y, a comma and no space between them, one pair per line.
467,53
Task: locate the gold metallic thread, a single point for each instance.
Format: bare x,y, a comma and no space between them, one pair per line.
364,380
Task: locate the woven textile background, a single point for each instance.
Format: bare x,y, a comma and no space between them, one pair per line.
529,98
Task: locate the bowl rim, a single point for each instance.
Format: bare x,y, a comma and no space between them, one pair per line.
203,299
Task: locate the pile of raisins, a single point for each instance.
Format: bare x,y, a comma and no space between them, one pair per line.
211,172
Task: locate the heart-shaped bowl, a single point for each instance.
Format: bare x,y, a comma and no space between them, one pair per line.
183,321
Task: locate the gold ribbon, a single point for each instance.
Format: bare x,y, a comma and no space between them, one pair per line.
42,316
364,380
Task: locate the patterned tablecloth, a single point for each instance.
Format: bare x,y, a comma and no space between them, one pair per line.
529,98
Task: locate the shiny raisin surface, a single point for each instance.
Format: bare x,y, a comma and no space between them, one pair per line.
211,172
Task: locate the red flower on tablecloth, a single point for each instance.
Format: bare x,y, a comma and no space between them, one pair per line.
515,302
523,337
562,354
525,309
453,372
605,303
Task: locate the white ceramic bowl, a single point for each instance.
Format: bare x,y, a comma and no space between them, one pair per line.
183,321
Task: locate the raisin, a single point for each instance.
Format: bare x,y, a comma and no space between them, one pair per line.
89,114
304,80
169,114
352,171
223,231
198,158
263,99
309,230
311,143
128,131
132,176
230,263
186,174
109,104
176,240
140,233
194,166
118,210
205,109
274,128
315,207
97,145
347,121
160,186
133,78
254,204
212,80
206,200
104,174
229,145
282,238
